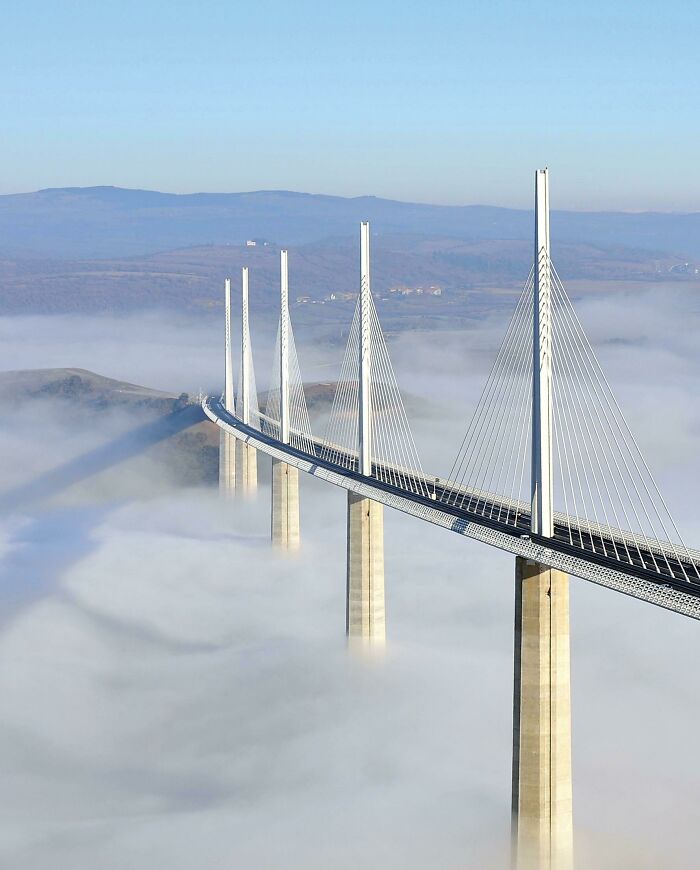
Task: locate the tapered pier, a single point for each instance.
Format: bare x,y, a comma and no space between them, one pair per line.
365,619
542,788
365,614
247,459
285,478
285,506
227,442
227,464
247,469
542,821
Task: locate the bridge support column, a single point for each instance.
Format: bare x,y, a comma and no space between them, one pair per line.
542,806
365,616
285,506
227,463
247,468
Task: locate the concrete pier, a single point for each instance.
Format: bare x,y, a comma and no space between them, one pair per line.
285,506
365,614
247,469
227,464
542,806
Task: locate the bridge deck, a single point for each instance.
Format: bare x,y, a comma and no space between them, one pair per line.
654,575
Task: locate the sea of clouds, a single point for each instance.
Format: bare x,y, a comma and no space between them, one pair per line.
176,695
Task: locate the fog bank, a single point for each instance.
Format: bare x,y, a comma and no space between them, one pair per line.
176,695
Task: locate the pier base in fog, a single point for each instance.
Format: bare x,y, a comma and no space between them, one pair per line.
542,825
247,469
227,463
365,615
285,506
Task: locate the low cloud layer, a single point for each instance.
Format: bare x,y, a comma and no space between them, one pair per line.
176,695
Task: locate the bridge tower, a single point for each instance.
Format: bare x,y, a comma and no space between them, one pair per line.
365,613
247,462
227,442
285,478
542,825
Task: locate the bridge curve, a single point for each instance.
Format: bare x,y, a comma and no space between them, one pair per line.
662,590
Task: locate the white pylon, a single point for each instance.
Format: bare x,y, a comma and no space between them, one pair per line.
228,379
245,349
542,517
365,373
227,442
284,349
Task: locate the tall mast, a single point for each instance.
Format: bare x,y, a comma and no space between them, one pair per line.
228,379
284,349
542,519
365,376
245,349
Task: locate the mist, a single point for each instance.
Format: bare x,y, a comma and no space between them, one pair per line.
177,695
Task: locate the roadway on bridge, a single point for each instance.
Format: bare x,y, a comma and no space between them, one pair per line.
660,567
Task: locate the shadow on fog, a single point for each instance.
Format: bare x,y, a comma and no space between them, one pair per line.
40,552
54,539
124,447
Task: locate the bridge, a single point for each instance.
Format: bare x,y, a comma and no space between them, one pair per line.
548,470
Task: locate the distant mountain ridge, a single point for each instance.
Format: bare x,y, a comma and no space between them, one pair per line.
104,222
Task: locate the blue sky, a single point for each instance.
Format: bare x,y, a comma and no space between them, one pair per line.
451,102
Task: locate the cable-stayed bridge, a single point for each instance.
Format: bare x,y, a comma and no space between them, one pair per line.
547,470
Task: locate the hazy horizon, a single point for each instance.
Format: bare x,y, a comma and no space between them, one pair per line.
330,194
